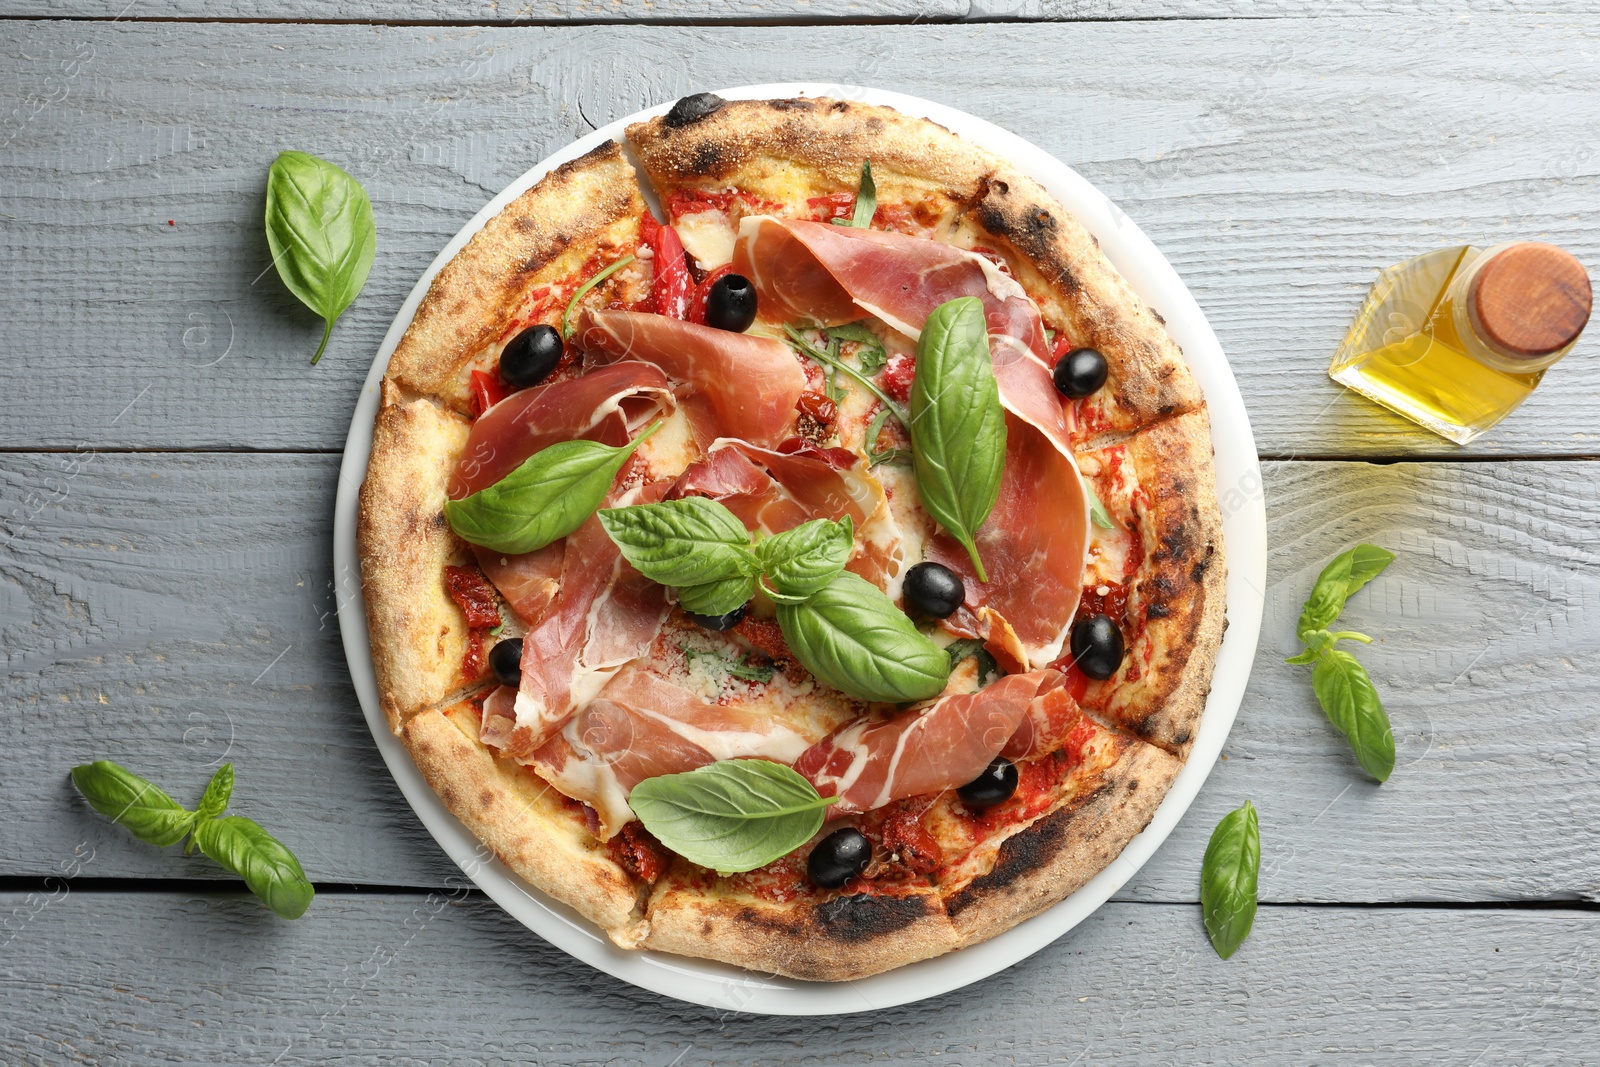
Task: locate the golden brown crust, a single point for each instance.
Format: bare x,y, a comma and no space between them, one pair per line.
1059,853
541,238
1160,691
520,818
418,634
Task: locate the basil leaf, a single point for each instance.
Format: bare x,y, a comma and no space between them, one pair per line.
218,790
681,542
738,668
732,815
958,428
1228,879
716,598
852,637
801,561
321,234
547,497
1351,702
1344,574
267,867
125,798
866,200
966,647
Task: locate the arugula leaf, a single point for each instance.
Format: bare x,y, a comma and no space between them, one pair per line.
583,290
806,348
738,668
1344,574
852,637
958,428
268,868
866,200
732,815
127,799
682,542
871,355
321,234
802,561
1228,877
1351,703
550,495
875,455
1097,511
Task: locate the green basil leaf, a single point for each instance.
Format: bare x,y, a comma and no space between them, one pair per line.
716,598
958,428
738,668
733,815
852,637
1351,703
960,650
140,806
866,200
321,234
267,867
218,790
681,542
1366,563
1344,574
801,561
550,495
1228,879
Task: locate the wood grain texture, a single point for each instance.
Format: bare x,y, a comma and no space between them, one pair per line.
164,610
448,977
1278,164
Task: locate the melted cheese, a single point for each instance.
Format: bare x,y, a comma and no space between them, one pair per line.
708,236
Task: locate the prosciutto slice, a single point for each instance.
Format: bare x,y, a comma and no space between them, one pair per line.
832,274
530,581
1053,721
750,384
868,763
606,404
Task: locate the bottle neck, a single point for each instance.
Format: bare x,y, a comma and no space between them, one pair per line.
1471,333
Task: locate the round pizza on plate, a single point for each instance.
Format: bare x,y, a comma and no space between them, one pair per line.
822,577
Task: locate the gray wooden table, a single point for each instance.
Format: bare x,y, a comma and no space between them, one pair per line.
169,462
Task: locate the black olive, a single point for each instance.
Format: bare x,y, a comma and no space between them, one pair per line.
994,786
1080,372
731,304
719,622
692,109
531,356
839,857
934,591
1097,646
505,659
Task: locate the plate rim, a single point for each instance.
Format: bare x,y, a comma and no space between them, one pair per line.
729,988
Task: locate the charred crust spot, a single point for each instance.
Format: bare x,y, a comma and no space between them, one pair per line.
1022,854
707,159
791,104
1179,738
1197,573
691,109
705,928
486,799
1157,314
840,105
437,520
1158,611
863,917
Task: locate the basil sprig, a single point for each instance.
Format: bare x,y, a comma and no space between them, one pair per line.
1228,879
732,815
851,636
321,234
866,201
1341,683
547,497
799,563
240,845
958,428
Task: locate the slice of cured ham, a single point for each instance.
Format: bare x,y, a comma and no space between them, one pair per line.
868,763
529,581
606,404
750,384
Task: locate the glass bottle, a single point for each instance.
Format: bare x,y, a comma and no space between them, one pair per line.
1455,339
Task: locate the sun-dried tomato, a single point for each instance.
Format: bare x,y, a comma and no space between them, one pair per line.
639,853
818,406
904,836
473,595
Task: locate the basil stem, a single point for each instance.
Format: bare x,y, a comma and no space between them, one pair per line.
1228,876
852,637
582,290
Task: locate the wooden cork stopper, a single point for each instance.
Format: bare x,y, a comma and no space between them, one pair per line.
1530,300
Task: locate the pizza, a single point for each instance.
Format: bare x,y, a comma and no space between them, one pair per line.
858,473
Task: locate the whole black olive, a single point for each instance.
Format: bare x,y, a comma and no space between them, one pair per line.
994,786
934,591
1080,372
839,857
505,659
719,622
1097,646
731,304
530,356
691,109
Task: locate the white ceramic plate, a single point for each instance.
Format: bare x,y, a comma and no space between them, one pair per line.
729,988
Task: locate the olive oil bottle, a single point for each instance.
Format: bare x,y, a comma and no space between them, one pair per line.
1455,339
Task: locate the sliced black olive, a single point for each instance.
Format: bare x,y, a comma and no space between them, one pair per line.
505,659
934,591
531,356
1097,646
719,622
1080,372
994,786
839,857
731,304
692,109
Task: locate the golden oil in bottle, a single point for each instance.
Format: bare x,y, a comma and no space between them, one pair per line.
1455,339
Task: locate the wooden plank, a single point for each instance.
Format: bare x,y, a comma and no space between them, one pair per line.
169,610
1278,164
183,976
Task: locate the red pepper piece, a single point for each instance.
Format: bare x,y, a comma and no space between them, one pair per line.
487,391
672,286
